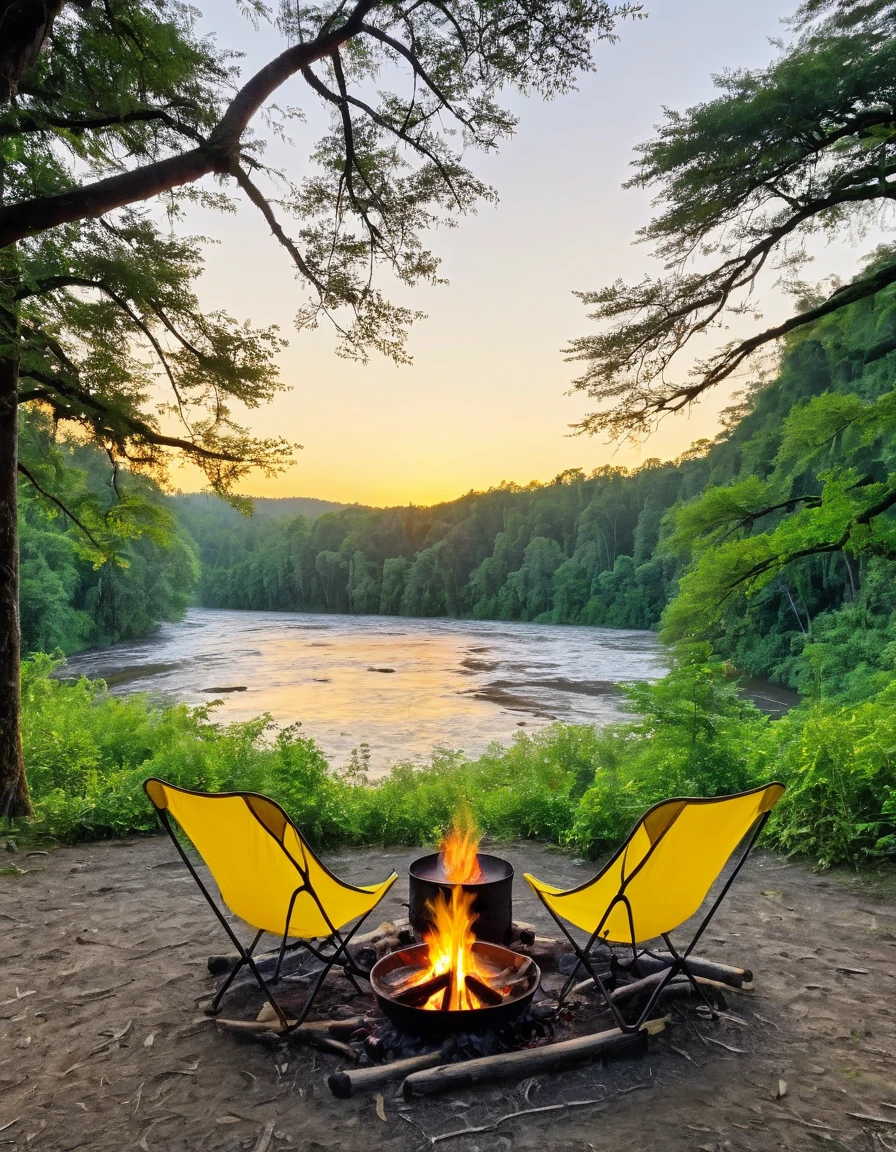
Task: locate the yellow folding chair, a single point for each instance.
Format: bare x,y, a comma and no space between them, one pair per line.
269,877
657,880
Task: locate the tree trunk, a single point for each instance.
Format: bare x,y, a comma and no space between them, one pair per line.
14,800
13,789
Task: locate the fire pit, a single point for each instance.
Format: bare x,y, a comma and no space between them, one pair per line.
461,978
426,989
489,882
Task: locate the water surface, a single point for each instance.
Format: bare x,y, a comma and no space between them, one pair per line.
403,686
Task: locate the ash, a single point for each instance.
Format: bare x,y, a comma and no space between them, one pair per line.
386,1043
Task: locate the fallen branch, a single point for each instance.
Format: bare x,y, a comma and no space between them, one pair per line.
601,1104
323,1043
872,1119
613,1042
266,1027
264,1140
357,1080
724,973
728,1047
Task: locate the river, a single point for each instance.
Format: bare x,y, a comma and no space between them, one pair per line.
403,686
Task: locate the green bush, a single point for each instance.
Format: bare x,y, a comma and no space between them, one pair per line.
839,764
87,754
693,736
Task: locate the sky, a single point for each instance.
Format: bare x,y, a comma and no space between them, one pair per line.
485,399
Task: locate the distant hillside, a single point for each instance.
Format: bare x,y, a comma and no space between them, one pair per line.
605,548
266,508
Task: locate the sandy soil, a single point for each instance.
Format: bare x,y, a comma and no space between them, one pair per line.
103,1044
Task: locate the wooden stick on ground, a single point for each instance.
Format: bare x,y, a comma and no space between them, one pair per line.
627,991
265,1027
723,973
444,1077
357,1080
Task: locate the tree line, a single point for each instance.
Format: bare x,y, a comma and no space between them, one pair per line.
614,547
103,107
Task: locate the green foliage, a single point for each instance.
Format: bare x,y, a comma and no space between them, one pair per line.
693,737
839,762
88,752
136,567
804,145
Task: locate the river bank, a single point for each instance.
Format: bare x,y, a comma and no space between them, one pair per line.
400,686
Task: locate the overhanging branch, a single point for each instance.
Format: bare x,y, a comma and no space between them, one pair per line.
55,500
218,154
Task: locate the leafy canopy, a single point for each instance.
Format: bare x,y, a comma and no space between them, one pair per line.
806,145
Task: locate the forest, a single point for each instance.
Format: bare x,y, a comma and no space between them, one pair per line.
769,551
610,548
657,548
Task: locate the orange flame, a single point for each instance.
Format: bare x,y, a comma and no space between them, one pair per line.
450,947
451,938
459,847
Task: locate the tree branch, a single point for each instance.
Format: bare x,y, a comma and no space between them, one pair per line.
256,196
849,294
54,500
218,154
30,122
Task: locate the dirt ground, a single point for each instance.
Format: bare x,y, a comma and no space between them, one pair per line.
103,1044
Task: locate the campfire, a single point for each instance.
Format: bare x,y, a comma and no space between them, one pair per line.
452,972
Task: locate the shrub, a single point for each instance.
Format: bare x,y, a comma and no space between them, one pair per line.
87,754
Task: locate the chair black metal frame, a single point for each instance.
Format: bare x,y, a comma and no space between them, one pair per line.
338,956
679,964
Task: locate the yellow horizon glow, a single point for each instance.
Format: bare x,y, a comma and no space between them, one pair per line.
485,398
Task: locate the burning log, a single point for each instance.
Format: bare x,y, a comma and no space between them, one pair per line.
401,978
418,994
502,978
487,995
529,1061
357,1080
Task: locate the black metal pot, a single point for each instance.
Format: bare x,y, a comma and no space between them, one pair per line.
425,1021
492,906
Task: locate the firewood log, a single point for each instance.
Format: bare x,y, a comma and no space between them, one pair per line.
417,996
386,945
648,983
522,933
545,951
488,996
356,1080
322,1027
724,973
528,1061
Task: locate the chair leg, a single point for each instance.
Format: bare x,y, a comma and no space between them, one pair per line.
682,964
243,960
306,1007
246,960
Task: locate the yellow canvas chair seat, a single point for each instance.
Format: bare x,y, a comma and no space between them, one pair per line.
659,878
267,876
